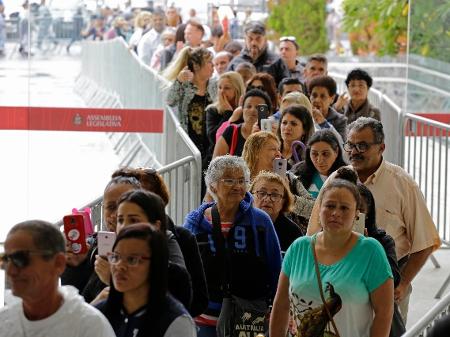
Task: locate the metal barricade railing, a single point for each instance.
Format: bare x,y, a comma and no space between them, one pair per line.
391,117
427,159
108,68
423,326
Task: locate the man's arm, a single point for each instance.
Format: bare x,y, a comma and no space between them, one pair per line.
411,269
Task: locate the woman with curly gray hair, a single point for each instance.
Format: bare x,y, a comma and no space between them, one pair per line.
246,234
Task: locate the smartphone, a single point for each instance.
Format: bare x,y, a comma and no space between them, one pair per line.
74,230
266,125
360,224
105,242
280,166
263,113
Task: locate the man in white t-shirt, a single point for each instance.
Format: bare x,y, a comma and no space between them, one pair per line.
152,39
34,259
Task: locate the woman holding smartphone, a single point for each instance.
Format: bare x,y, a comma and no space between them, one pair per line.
262,153
139,303
233,138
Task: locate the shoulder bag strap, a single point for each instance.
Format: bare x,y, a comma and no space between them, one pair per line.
319,281
234,139
222,251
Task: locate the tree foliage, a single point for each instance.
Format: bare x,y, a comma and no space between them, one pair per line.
303,19
376,27
430,29
381,27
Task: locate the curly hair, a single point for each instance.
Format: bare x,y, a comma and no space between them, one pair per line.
269,87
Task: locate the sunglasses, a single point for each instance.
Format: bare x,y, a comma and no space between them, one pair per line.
21,258
288,38
251,87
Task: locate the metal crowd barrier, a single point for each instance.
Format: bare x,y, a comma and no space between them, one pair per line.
391,117
426,158
107,84
424,325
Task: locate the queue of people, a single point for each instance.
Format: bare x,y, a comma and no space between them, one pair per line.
305,229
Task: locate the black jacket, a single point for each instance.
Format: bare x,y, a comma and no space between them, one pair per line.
192,259
287,231
267,62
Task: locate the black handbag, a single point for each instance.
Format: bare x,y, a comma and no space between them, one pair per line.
238,316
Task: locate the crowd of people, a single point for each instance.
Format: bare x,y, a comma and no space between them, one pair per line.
304,229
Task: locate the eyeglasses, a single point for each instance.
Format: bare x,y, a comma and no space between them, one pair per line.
21,258
251,87
231,182
275,197
360,147
130,260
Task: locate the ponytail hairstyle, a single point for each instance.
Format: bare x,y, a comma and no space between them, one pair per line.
187,57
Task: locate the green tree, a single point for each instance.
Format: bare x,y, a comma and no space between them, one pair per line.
303,19
376,26
430,29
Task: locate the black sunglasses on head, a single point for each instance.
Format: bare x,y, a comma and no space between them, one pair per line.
21,258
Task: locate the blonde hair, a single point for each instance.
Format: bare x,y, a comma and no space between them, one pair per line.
266,176
187,57
296,98
139,20
239,90
252,149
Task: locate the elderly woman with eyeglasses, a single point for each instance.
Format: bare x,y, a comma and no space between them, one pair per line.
253,248
273,196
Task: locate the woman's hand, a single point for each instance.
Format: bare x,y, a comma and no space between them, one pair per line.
317,116
72,259
255,128
102,269
103,295
341,102
237,115
185,75
227,104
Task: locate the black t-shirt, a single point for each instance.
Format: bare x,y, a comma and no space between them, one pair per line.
287,231
197,122
228,136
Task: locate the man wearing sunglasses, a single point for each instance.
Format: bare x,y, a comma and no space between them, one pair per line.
257,53
401,209
33,260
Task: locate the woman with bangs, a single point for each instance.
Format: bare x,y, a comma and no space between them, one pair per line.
230,90
234,137
272,195
139,303
266,83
